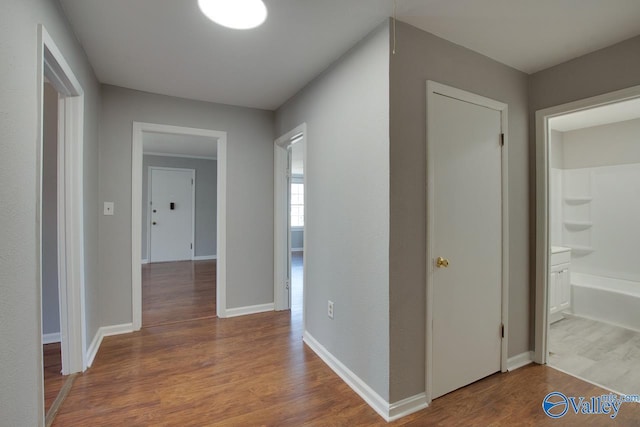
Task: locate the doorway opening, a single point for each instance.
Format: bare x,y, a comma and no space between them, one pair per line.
290,217
296,224
178,217
587,277
61,219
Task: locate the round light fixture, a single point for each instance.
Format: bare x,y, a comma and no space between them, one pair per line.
236,14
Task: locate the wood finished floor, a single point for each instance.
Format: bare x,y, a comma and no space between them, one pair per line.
255,371
178,291
53,378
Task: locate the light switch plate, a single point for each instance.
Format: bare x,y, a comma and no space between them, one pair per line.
108,208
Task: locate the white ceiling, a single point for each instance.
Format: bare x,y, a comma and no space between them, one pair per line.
606,114
179,145
169,47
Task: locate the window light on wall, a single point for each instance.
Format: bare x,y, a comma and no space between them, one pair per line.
236,14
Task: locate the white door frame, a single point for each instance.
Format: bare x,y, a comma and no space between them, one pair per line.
542,204
434,89
193,206
136,213
55,68
281,239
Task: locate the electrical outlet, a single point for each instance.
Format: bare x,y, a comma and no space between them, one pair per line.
108,208
330,309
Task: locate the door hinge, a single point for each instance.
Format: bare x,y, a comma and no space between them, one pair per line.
288,173
502,139
502,330
191,246
286,284
191,181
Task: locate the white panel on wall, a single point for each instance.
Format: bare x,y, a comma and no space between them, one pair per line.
576,211
555,205
600,218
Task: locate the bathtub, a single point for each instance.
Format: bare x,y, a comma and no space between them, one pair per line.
612,301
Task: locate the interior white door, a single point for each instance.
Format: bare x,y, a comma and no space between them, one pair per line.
467,232
171,204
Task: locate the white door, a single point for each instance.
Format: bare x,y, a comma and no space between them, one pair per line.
465,142
171,218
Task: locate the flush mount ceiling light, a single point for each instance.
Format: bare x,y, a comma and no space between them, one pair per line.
236,14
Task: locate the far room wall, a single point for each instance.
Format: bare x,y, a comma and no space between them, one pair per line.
205,203
250,139
50,301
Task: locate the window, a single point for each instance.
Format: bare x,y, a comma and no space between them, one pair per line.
297,204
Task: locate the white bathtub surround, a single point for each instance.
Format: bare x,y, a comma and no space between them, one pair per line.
597,352
613,301
600,211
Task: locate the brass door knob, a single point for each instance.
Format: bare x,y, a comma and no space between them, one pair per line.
442,262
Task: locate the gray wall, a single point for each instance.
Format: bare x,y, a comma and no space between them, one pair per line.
422,56
606,70
556,149
346,110
297,239
50,303
249,193
21,402
205,215
606,145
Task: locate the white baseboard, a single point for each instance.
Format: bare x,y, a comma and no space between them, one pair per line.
390,412
520,360
297,249
144,261
372,398
51,338
102,332
251,309
204,257
407,406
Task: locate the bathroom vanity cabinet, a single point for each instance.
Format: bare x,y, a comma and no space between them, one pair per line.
559,282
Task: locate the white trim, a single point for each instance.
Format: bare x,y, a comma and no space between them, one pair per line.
204,257
150,169
53,66
542,204
297,249
437,88
51,338
250,309
373,399
407,406
186,156
282,228
136,214
520,360
102,332
92,351
144,261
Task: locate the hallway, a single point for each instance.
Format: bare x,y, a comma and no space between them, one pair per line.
255,370
178,291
